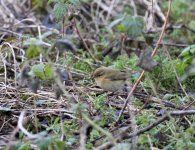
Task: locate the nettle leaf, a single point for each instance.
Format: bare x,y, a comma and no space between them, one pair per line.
43,71
38,70
48,70
192,24
23,146
188,51
188,59
33,41
188,54
133,26
180,66
60,9
33,51
60,145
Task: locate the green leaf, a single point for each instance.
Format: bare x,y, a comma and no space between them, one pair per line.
33,41
188,51
48,70
133,26
71,141
24,147
94,134
33,51
38,70
56,121
143,139
43,71
188,54
188,59
192,24
180,67
60,145
178,8
60,9
37,3
121,28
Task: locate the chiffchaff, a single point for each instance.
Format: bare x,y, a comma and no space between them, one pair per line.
110,79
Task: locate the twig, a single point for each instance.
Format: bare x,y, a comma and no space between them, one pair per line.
142,74
162,43
11,32
189,105
15,62
163,118
132,4
133,128
79,34
30,136
83,135
181,26
176,75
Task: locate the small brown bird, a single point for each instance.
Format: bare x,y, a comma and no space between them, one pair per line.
110,79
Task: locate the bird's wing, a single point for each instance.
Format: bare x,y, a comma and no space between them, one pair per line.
119,75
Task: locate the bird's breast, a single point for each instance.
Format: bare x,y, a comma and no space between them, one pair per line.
110,85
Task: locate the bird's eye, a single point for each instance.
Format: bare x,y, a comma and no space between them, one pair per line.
98,74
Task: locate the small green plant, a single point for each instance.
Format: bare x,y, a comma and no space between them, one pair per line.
162,77
132,26
68,127
178,9
107,113
33,51
145,119
42,71
185,66
22,146
124,62
61,7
